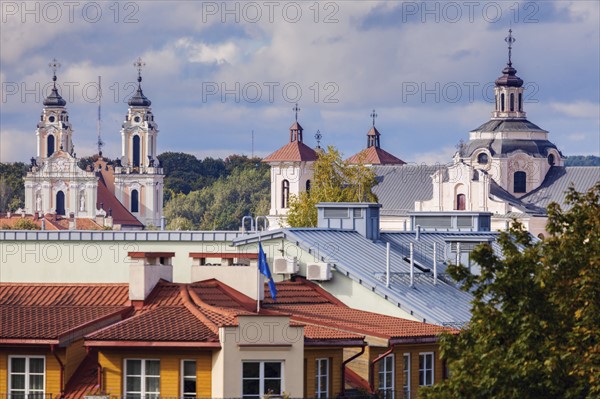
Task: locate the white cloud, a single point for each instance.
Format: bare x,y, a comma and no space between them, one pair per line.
209,54
578,109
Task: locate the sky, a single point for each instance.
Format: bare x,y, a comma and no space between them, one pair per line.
218,71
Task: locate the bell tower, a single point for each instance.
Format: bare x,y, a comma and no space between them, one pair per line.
138,175
54,131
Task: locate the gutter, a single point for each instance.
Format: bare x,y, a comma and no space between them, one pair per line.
343,390
62,371
372,367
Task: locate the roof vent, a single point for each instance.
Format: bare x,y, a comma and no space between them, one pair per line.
362,217
318,271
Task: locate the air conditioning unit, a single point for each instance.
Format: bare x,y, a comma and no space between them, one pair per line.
285,265
318,271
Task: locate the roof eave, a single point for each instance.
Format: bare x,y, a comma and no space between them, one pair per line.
154,344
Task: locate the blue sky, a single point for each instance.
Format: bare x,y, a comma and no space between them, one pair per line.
215,71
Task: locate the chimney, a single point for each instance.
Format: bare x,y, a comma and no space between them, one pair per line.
72,224
360,216
36,215
145,270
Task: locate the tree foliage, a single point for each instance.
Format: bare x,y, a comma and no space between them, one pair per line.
582,160
12,188
335,180
535,329
221,206
21,224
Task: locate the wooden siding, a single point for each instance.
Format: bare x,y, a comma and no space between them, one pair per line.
112,362
52,367
335,357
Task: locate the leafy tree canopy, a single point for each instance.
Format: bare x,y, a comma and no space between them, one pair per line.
335,180
582,160
12,188
535,329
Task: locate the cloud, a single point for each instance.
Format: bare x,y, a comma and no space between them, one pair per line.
209,54
578,109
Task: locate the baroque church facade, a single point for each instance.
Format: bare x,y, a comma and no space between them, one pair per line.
127,195
508,169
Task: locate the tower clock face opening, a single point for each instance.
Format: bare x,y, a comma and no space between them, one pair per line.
137,119
51,118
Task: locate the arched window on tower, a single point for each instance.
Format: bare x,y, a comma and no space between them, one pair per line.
50,145
512,102
308,186
136,151
135,201
461,202
520,182
520,102
502,102
285,193
60,203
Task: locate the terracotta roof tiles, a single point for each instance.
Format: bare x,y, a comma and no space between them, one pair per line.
375,156
293,151
120,214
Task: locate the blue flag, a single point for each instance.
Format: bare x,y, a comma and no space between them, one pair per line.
263,267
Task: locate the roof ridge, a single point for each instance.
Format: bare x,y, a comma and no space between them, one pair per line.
191,307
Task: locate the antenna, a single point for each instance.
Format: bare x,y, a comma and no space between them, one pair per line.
100,143
252,143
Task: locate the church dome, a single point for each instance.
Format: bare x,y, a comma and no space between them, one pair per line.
509,77
139,99
54,99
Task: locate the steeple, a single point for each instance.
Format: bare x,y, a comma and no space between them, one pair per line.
296,129
139,99
54,99
509,89
373,136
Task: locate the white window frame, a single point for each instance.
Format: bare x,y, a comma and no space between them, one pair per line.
261,376
27,391
183,377
423,370
319,391
406,373
143,377
382,386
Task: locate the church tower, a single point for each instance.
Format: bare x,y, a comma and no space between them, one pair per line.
291,172
513,151
374,154
55,183
138,175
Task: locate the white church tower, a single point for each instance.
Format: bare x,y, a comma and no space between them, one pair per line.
55,183
138,176
291,173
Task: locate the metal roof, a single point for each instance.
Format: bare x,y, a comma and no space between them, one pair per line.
509,125
503,147
558,180
401,185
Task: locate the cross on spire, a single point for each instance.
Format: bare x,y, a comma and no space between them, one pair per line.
510,40
373,115
296,109
318,137
139,64
54,65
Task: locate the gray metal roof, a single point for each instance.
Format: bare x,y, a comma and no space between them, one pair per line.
114,235
364,261
558,180
509,125
502,147
401,185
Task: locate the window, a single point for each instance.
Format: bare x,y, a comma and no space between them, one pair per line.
308,186
502,102
60,203
520,182
520,102
26,377
386,376
406,372
260,378
285,193
136,151
426,369
461,202
551,160
188,379
142,378
50,145
512,102
135,201
482,158
322,378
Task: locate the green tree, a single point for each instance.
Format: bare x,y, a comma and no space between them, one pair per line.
335,180
582,160
12,188
535,326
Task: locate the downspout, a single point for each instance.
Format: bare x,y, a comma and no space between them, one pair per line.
62,371
372,367
344,363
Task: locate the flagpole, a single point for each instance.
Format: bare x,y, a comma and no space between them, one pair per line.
258,275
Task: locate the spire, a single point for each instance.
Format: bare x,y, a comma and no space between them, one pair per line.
509,77
139,99
373,134
318,137
296,129
54,99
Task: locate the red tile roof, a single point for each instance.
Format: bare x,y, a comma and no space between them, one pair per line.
120,214
293,151
375,156
32,294
61,223
85,379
